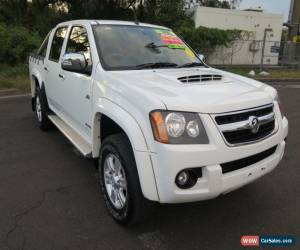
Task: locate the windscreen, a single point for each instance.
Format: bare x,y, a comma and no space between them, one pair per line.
123,47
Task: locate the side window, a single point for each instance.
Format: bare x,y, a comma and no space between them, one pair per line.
43,49
79,43
57,43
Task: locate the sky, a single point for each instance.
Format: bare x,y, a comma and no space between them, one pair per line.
272,6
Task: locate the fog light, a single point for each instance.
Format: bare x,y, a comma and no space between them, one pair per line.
187,178
182,178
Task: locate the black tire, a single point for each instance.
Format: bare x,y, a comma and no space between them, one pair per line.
42,110
137,208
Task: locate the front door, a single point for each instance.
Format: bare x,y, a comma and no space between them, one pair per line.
77,86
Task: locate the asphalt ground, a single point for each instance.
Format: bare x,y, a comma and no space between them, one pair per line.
50,198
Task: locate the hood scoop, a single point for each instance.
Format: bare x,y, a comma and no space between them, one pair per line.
200,78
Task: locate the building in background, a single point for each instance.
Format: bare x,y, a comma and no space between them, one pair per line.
294,20
291,49
258,26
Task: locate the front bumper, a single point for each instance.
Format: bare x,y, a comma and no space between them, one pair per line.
171,159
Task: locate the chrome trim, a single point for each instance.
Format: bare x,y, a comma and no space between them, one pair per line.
244,124
243,110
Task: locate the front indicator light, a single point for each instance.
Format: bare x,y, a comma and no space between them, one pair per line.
159,128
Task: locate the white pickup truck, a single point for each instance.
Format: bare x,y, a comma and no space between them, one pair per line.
163,126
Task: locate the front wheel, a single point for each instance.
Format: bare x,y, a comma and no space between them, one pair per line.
120,183
41,110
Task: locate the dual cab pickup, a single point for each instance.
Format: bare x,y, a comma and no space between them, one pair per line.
163,126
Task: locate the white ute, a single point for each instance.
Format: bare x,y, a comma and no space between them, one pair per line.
163,126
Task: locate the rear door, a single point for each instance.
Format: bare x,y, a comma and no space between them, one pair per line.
76,87
52,70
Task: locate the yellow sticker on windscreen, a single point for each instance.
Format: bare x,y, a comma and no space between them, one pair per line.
189,52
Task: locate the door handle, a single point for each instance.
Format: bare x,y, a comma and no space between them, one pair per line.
61,76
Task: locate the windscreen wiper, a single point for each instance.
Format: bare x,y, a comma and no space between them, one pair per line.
153,45
190,65
156,65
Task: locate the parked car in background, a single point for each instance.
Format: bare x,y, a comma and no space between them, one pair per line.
163,126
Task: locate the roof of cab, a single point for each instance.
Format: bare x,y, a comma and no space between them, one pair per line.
113,22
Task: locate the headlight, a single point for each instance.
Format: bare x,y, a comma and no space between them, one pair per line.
192,129
178,127
175,123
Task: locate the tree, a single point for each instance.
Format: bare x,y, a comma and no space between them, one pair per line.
108,9
36,17
226,4
23,5
169,13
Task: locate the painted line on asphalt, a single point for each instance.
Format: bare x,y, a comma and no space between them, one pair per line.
14,96
287,86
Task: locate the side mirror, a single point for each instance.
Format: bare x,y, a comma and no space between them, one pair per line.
201,57
74,62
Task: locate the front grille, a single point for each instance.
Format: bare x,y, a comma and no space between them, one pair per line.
248,161
246,126
245,136
225,119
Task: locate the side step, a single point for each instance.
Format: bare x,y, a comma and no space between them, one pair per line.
84,147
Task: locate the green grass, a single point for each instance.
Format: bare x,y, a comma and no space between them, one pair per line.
274,73
14,77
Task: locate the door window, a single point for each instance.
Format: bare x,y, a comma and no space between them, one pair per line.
57,43
43,49
79,43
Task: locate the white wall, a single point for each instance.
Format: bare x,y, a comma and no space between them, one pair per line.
253,22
